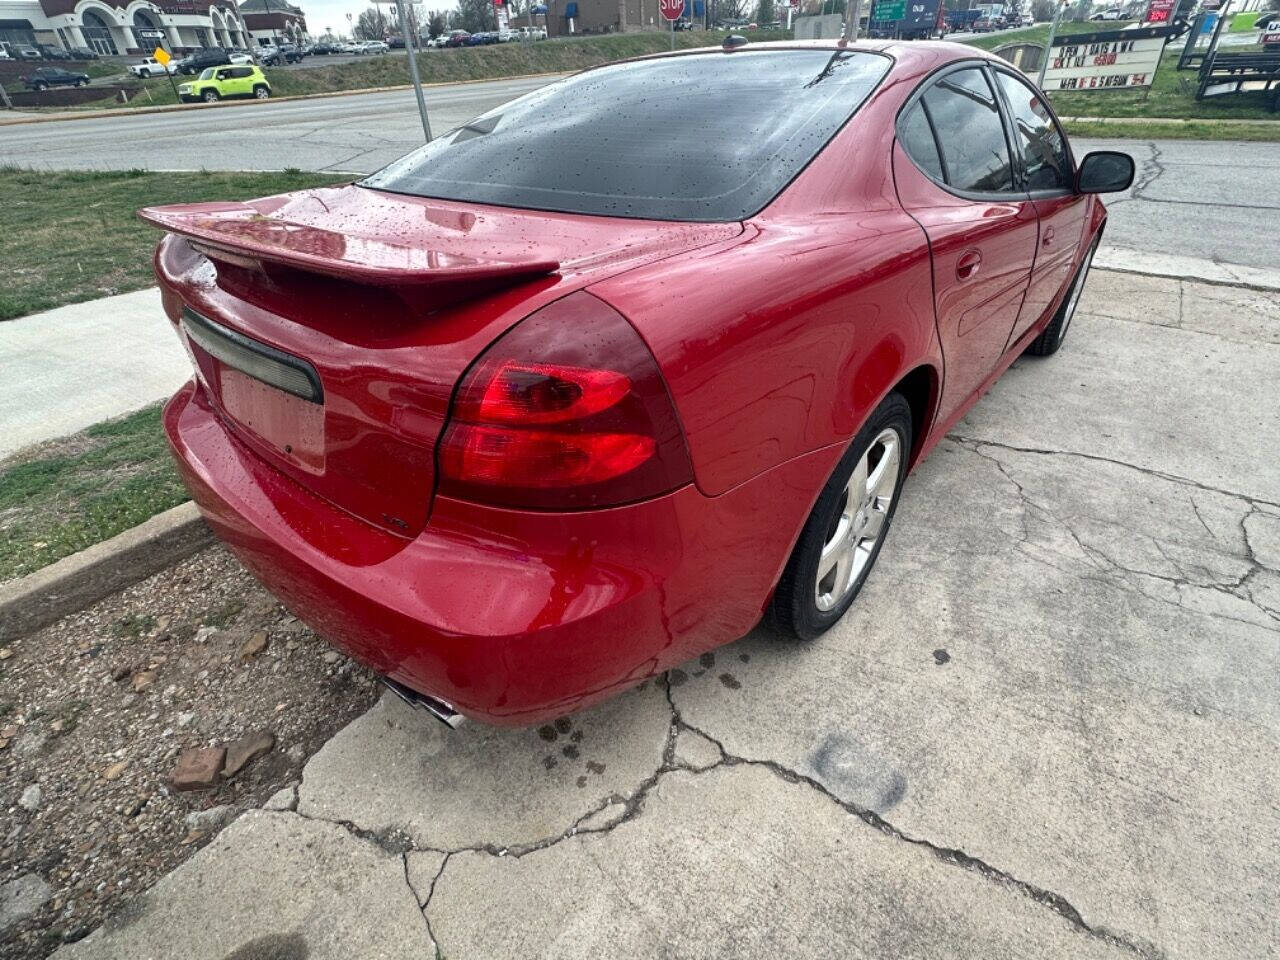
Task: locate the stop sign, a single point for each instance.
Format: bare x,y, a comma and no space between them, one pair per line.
671,9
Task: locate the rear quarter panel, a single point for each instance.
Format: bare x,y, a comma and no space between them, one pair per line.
783,341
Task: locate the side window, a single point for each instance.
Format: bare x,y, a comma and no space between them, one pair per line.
241,72
917,139
1043,151
963,108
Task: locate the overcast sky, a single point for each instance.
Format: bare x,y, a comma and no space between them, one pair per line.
332,14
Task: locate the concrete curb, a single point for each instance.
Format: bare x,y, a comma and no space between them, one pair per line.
1174,267
1173,122
83,578
173,107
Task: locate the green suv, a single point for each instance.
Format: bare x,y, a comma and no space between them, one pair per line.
215,83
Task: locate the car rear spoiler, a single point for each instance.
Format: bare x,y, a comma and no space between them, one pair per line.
239,234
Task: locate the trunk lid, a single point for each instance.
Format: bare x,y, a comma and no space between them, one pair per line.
380,302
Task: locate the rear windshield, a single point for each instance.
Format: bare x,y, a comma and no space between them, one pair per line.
700,137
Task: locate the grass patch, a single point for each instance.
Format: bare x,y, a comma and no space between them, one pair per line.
1040,34
1169,97
561,55
1243,22
1190,130
68,237
80,490
95,69
134,625
222,615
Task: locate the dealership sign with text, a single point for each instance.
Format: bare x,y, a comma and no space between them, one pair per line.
1104,61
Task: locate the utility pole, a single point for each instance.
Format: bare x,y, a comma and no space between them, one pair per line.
413,73
1048,45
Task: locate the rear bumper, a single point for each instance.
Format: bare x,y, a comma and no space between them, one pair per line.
512,617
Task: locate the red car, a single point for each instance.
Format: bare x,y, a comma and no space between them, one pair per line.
600,379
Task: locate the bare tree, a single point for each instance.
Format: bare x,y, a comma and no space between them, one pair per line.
371,24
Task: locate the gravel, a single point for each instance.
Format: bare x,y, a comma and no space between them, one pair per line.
95,711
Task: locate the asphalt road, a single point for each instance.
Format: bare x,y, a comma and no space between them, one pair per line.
358,133
1191,199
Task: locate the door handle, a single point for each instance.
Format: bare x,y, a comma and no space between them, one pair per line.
1048,236
968,264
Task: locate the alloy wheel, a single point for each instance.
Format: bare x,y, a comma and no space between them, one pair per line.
859,524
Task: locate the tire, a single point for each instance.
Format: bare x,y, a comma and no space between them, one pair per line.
1051,339
260,92
144,74
41,86
810,600
209,96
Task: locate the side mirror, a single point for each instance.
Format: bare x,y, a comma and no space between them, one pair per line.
1104,171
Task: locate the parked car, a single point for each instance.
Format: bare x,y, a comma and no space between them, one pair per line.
54,53
323,49
376,47
240,57
349,47
23,51
558,454
285,53
221,83
1266,18
43,78
151,67
201,60
4,53
457,38
1115,13
84,53
983,25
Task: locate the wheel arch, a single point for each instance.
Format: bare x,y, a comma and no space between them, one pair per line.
921,387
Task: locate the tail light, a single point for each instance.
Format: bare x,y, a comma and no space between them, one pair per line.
566,411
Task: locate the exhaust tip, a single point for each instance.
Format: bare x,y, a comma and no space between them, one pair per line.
442,711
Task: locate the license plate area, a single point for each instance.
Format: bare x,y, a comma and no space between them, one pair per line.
291,426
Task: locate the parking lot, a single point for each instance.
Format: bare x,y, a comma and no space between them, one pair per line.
1048,726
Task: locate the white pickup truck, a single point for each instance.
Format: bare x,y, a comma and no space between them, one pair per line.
151,67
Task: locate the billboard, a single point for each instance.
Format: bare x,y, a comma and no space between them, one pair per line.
1105,61
921,15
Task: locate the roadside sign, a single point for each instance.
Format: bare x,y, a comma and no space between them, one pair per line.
1104,61
920,15
1159,11
671,9
162,56
889,10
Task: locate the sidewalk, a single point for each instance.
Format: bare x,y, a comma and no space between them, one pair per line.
75,366
1067,654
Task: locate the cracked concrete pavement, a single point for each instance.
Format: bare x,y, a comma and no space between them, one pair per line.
1047,728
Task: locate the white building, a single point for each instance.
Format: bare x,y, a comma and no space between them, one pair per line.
137,27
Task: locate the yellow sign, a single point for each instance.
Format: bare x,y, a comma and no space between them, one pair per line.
162,55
